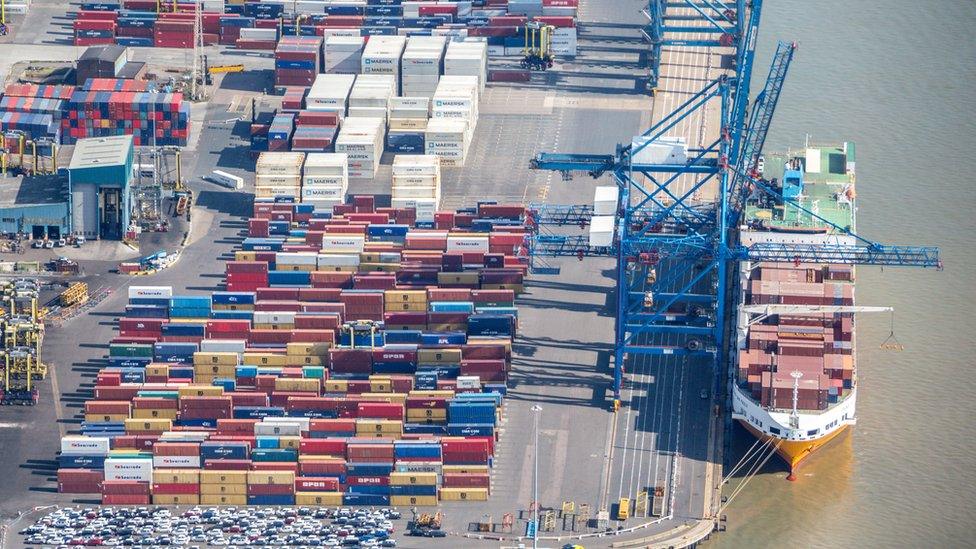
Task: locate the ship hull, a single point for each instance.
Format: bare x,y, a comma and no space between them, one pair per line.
794,452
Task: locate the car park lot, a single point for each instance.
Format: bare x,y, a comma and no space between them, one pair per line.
153,526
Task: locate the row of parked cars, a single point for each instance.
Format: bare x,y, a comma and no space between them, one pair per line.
230,527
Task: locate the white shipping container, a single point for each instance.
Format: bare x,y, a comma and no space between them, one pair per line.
271,192
259,34
601,230
407,164
605,200
325,164
468,382
275,429
150,292
176,462
328,180
85,446
467,244
280,163
303,422
323,192
343,243
128,469
227,180
277,180
274,317
223,345
295,258
330,92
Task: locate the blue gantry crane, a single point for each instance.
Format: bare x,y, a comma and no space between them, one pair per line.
723,22
675,253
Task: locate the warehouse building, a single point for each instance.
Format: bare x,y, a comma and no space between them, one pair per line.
35,206
107,62
99,178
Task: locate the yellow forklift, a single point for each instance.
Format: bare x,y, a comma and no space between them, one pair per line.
537,53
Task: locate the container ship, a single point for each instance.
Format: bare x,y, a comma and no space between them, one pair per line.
796,377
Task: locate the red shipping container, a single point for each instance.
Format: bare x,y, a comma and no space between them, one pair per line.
380,410
367,481
174,488
332,426
323,446
274,466
466,480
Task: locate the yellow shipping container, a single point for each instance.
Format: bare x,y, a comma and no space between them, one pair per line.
477,469
420,479
439,327
223,477
298,384
219,370
318,498
143,425
431,394
464,494
405,296
366,426
176,499
289,442
439,356
96,418
380,386
264,359
491,341
398,398
295,360
200,390
336,386
274,326
293,268
205,378
337,268
444,279
223,499
418,414
215,358
270,477
308,349
405,307
176,476
154,413
370,267
414,501
226,489
157,370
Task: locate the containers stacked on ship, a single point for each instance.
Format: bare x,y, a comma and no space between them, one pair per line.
325,180
297,60
278,174
361,140
417,185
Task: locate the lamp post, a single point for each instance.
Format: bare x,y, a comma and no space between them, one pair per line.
537,410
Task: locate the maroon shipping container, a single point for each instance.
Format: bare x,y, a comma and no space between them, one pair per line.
367,481
316,484
323,467
466,480
350,361
175,488
317,118
227,464
380,410
332,426
270,489
80,481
